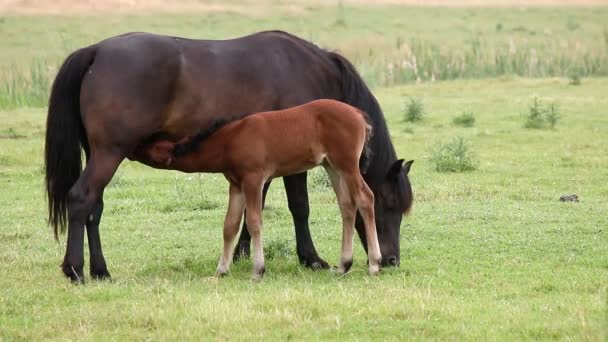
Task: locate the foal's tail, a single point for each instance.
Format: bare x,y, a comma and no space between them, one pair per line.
366,153
65,135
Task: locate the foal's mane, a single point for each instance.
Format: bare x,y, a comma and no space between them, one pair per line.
191,143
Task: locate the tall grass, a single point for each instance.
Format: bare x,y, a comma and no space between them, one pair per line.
25,86
416,61
479,58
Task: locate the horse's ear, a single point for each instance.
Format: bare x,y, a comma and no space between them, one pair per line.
407,166
394,170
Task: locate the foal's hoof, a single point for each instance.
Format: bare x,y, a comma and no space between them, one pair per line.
313,262
374,270
345,267
242,250
220,274
258,275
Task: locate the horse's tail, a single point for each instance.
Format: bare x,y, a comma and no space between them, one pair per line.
65,135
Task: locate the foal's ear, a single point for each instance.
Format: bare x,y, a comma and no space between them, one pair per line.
407,166
394,170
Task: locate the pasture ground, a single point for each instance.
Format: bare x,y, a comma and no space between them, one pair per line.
487,254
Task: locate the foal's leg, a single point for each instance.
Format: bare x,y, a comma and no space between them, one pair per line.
236,206
253,203
83,197
364,200
348,212
242,248
98,267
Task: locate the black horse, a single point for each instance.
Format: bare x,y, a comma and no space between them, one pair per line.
110,97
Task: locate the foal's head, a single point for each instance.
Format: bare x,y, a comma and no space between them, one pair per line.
393,199
160,152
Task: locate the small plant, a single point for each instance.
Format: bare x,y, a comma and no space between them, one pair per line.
318,179
534,118
465,119
414,111
552,115
575,79
340,21
278,249
541,116
453,156
498,27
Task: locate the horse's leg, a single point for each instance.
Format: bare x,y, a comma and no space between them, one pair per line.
242,249
348,212
98,267
252,188
364,201
297,200
83,197
236,206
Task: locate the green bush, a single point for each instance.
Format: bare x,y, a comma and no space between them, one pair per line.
413,111
575,79
453,156
278,249
318,179
540,115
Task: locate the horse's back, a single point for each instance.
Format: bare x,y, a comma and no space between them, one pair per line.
145,83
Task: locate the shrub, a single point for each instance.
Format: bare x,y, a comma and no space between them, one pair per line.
453,156
465,119
541,116
534,118
575,79
278,249
414,111
318,179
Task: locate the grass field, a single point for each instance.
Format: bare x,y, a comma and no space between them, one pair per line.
489,254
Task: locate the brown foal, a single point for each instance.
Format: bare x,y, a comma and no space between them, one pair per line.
252,150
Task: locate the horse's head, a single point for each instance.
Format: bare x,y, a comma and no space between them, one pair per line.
393,199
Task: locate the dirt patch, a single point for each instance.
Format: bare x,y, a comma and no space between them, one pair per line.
74,7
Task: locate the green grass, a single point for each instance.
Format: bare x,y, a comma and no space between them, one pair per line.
489,254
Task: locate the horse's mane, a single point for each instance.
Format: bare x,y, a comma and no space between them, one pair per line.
191,143
356,93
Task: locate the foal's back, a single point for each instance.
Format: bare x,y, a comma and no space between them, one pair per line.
299,138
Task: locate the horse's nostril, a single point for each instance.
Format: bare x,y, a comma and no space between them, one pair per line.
393,261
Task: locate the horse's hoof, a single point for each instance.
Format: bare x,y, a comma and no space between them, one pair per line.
314,262
241,251
75,274
101,276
